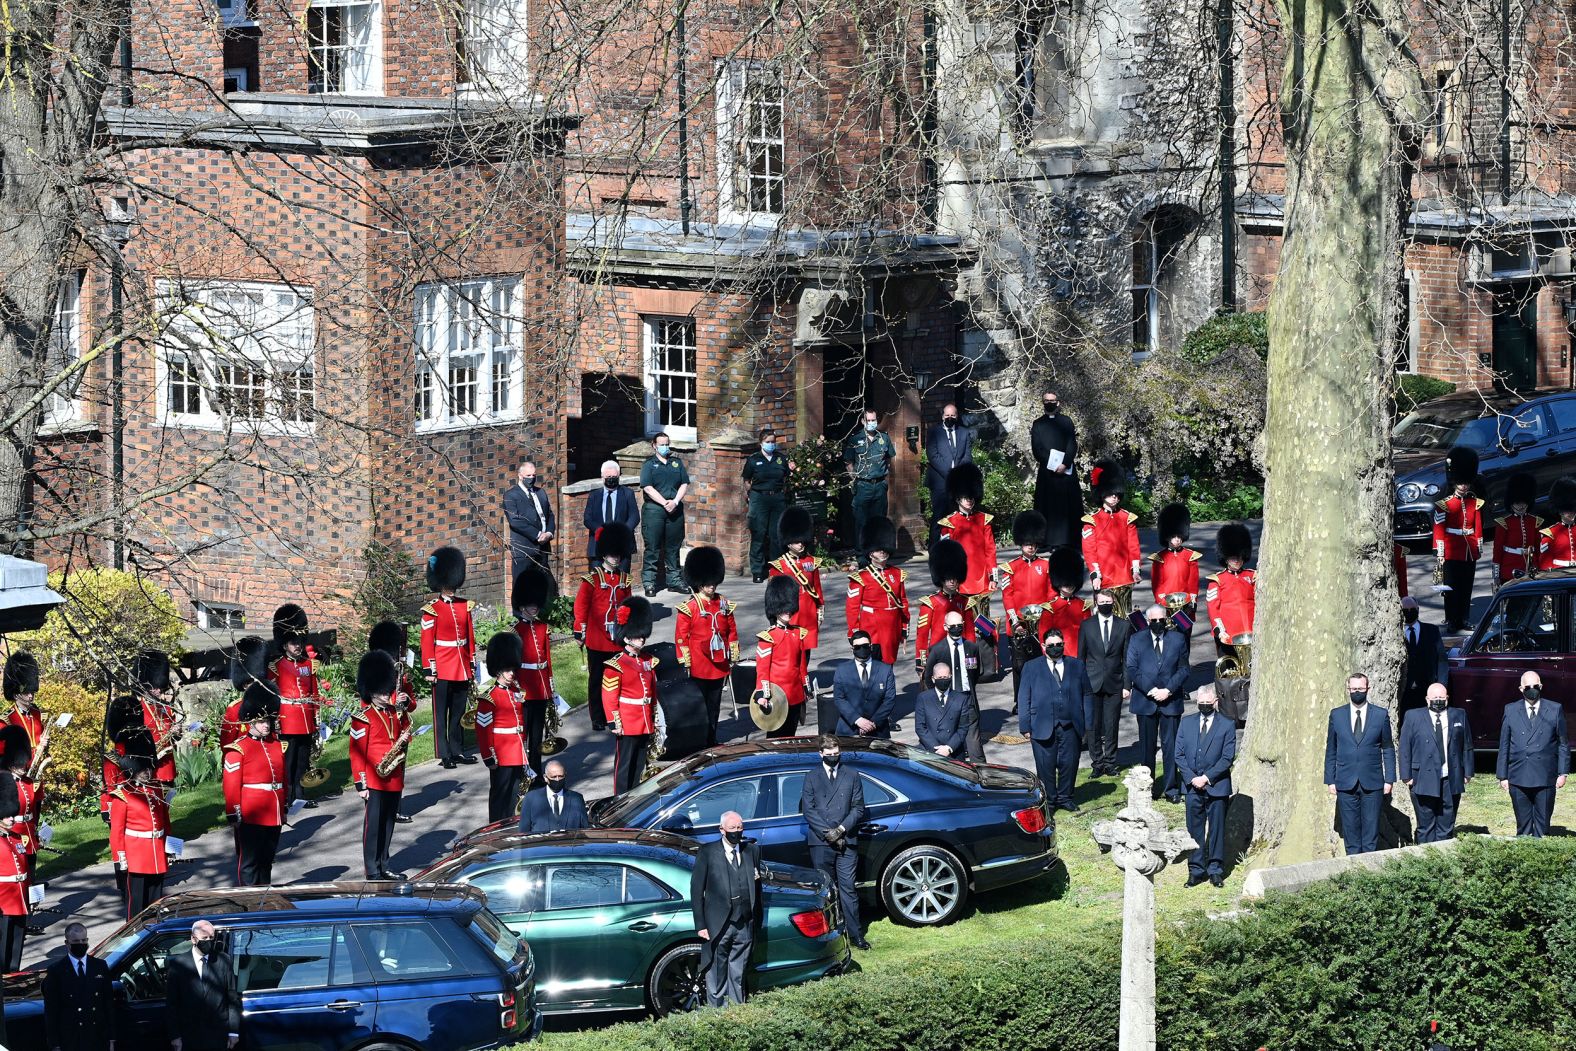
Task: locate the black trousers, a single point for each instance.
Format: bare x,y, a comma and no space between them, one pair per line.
1360,809
765,544
596,660
298,760
629,761
711,694
255,847
1206,823
869,501
1436,815
142,890
662,534
1160,730
503,788
1458,574
1105,717
1056,763
791,727
377,830
1533,806
535,728
13,930
840,868
973,740
449,699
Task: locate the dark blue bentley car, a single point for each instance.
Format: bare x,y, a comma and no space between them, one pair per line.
333,967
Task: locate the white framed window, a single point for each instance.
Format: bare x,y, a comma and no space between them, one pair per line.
751,148
237,78
1155,249
344,41
234,13
492,47
672,402
216,616
237,352
65,347
469,368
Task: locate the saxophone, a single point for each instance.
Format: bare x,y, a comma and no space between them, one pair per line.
164,744
395,755
35,769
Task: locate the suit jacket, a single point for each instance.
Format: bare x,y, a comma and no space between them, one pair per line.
536,813
943,454
938,725
1368,763
710,890
941,652
524,521
202,1012
625,510
1042,704
1210,755
874,701
1107,665
826,803
1422,754
1426,662
1533,755
78,1012
1148,670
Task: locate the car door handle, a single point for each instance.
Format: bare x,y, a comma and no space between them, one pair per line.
871,829
343,1005
1552,452
643,925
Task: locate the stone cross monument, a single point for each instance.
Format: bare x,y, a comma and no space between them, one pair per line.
1141,845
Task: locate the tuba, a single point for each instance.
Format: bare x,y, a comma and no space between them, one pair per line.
1236,665
468,720
659,739
1174,601
552,741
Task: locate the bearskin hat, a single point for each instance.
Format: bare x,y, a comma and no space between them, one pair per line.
948,561
1173,520
1105,478
704,567
290,624
123,717
139,752
1563,495
1521,488
1461,466
378,675
261,701
614,540
250,663
782,596
16,749
966,481
1066,568
1233,541
446,569
1029,528
633,619
21,675
880,534
795,526
150,671
532,587
505,652
388,636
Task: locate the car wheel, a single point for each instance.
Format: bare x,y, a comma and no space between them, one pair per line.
676,983
924,886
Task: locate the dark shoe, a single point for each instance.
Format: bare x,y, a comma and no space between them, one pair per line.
1217,880
468,760
861,944
651,592
310,804
402,819
1193,881
447,764
1173,799
1071,808
756,578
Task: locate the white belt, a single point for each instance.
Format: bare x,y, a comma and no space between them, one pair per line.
1513,551
448,642
298,701
1461,532
1564,563
634,700
136,834
508,729
532,667
271,787
19,878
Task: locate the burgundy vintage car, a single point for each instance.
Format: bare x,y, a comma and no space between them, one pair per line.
1528,627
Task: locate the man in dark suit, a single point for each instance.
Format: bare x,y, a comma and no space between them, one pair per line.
1359,765
531,523
833,804
1206,748
1102,646
1425,657
963,657
864,692
78,1009
614,502
940,716
949,444
202,1007
1436,763
553,807
1534,755
724,889
1050,713
1156,672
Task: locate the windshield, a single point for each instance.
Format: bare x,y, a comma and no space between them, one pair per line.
1428,430
616,812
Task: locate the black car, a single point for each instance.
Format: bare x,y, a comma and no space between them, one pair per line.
332,966
1510,435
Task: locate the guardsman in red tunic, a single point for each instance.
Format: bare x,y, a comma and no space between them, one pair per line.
16,754
1458,535
1175,569
1557,543
1110,537
596,603
379,728
501,719
150,674
1026,593
294,675
629,693
878,594
389,636
21,689
1517,536
534,675
121,722
254,789
1068,611
13,864
779,652
971,528
448,649
706,633
1233,591
949,567
249,664
139,823
797,533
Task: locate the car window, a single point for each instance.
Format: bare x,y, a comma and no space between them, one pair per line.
640,888
1564,411
294,957
1520,624
146,976
477,957
1432,430
577,886
875,792
499,940
707,806
510,888
790,792
403,951
1530,425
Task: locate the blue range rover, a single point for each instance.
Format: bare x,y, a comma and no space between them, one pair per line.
333,967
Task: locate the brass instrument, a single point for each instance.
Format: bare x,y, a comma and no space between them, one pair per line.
1175,602
552,741
659,739
35,769
316,775
395,755
1122,596
468,720
164,744
1236,665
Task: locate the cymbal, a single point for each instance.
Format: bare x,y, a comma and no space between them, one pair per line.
774,718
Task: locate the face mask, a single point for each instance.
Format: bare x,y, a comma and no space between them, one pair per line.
1050,408
768,447
1055,650
556,783
205,946
1409,616
861,653
77,949
611,483
955,630
1359,697
735,835
951,421
943,682
1438,704
1105,608
870,426
832,760
1158,627
1206,709
663,450
530,483
1532,693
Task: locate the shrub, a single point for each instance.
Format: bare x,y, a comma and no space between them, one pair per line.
1412,390
1009,487
196,766
75,757
387,590
108,617
1225,332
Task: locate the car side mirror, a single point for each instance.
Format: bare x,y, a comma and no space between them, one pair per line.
680,826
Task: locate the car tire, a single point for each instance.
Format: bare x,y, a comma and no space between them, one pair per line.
676,984
924,886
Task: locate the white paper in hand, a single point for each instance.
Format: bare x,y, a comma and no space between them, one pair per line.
46,832
35,894
295,808
324,732
560,705
64,720
422,729
1055,459
1440,589
174,846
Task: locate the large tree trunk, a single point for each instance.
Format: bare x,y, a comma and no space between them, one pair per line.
1327,601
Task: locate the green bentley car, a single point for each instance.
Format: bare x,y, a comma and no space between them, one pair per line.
606,913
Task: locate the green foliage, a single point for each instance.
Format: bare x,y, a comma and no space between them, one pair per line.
1412,390
108,617
196,766
560,614
1009,485
817,469
388,586
1206,501
1225,332
71,778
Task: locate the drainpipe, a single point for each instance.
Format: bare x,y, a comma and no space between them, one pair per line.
1227,149
683,92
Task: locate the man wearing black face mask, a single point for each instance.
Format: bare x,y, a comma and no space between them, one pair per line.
1054,442
78,1009
1051,703
1157,668
202,1009
1103,647
1359,765
1436,763
1206,747
724,893
864,692
1534,755
553,807
613,502
833,805
963,657
1426,662
949,445
531,523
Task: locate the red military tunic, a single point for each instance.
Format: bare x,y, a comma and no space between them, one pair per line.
139,821
113,776
31,797
1066,615
230,727
500,726
1518,543
1557,550
535,674
878,603
13,870
596,602
1175,572
31,721
159,718
812,597
780,661
973,533
933,621
1231,600
1458,529
706,635
1110,545
448,639
629,692
298,694
373,732
1399,554
1028,583
254,781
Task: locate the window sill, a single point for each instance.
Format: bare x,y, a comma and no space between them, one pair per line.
70,428
264,428
477,423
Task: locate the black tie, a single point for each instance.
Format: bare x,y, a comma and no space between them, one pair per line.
558,804
1056,668
864,675
1105,632
957,664
607,508
1357,731
1203,728
1157,641
82,971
